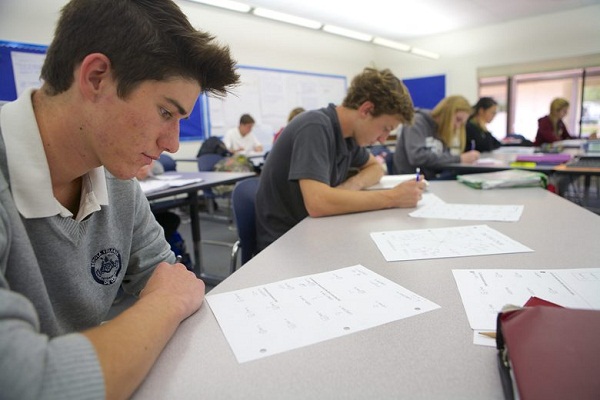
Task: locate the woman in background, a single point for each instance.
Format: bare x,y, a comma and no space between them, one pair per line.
478,136
551,128
435,138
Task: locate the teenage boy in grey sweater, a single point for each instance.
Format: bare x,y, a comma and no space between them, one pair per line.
74,225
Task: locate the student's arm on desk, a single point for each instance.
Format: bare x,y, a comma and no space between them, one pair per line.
128,345
369,174
322,200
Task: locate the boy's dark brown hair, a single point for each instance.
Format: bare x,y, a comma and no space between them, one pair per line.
144,40
389,95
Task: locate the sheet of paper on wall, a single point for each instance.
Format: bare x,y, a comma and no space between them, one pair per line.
485,291
470,212
265,320
462,241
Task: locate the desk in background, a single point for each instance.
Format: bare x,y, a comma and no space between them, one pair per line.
504,158
209,179
429,356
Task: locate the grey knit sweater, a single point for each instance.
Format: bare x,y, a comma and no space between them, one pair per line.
59,277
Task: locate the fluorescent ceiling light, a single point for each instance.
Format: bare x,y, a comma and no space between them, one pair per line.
424,53
290,19
391,44
347,33
227,4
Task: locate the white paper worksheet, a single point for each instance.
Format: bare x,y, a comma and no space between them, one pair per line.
485,291
470,212
421,244
264,320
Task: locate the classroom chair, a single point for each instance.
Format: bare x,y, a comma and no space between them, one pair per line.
168,163
243,199
207,162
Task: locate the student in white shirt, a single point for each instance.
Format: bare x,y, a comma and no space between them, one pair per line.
241,140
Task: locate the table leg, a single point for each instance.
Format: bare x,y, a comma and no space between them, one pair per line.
195,221
211,280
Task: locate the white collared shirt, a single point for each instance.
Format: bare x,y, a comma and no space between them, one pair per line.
30,181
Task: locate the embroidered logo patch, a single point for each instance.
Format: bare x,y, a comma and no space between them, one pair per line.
106,266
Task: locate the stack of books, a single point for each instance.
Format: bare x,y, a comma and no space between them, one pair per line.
504,179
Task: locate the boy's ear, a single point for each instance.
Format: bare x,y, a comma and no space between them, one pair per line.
366,108
94,74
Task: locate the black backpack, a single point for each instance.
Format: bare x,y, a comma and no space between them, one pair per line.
213,145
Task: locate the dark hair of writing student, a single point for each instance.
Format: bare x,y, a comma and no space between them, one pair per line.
387,93
144,40
484,103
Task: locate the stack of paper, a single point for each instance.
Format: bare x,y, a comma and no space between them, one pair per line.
504,179
162,182
391,181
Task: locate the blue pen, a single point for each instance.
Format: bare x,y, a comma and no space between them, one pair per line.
472,144
418,174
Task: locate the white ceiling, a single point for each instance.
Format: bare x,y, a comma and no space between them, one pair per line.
409,19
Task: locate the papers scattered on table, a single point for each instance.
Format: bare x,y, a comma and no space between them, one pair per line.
470,212
421,244
429,199
485,291
264,320
489,161
153,185
166,181
390,181
504,179
514,150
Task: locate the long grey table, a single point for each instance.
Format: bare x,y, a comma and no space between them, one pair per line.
429,356
209,179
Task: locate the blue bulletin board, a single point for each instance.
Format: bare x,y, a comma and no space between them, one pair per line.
426,92
20,67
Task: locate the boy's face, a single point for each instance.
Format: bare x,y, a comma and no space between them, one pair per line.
133,131
245,128
376,129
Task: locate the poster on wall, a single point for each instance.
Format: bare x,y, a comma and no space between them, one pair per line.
269,95
26,70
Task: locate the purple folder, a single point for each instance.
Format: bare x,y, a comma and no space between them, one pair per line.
545,158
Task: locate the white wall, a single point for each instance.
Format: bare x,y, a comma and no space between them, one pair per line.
259,42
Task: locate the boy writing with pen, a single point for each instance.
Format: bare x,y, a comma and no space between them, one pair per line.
307,172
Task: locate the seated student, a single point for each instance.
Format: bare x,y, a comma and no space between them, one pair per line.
307,172
551,127
74,226
296,111
241,140
436,138
478,136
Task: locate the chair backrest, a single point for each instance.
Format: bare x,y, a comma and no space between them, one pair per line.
206,162
243,199
213,145
168,163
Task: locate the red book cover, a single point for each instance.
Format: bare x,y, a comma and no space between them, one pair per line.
554,352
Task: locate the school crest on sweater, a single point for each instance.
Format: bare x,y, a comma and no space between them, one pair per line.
106,266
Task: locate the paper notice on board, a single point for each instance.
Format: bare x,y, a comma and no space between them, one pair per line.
26,70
